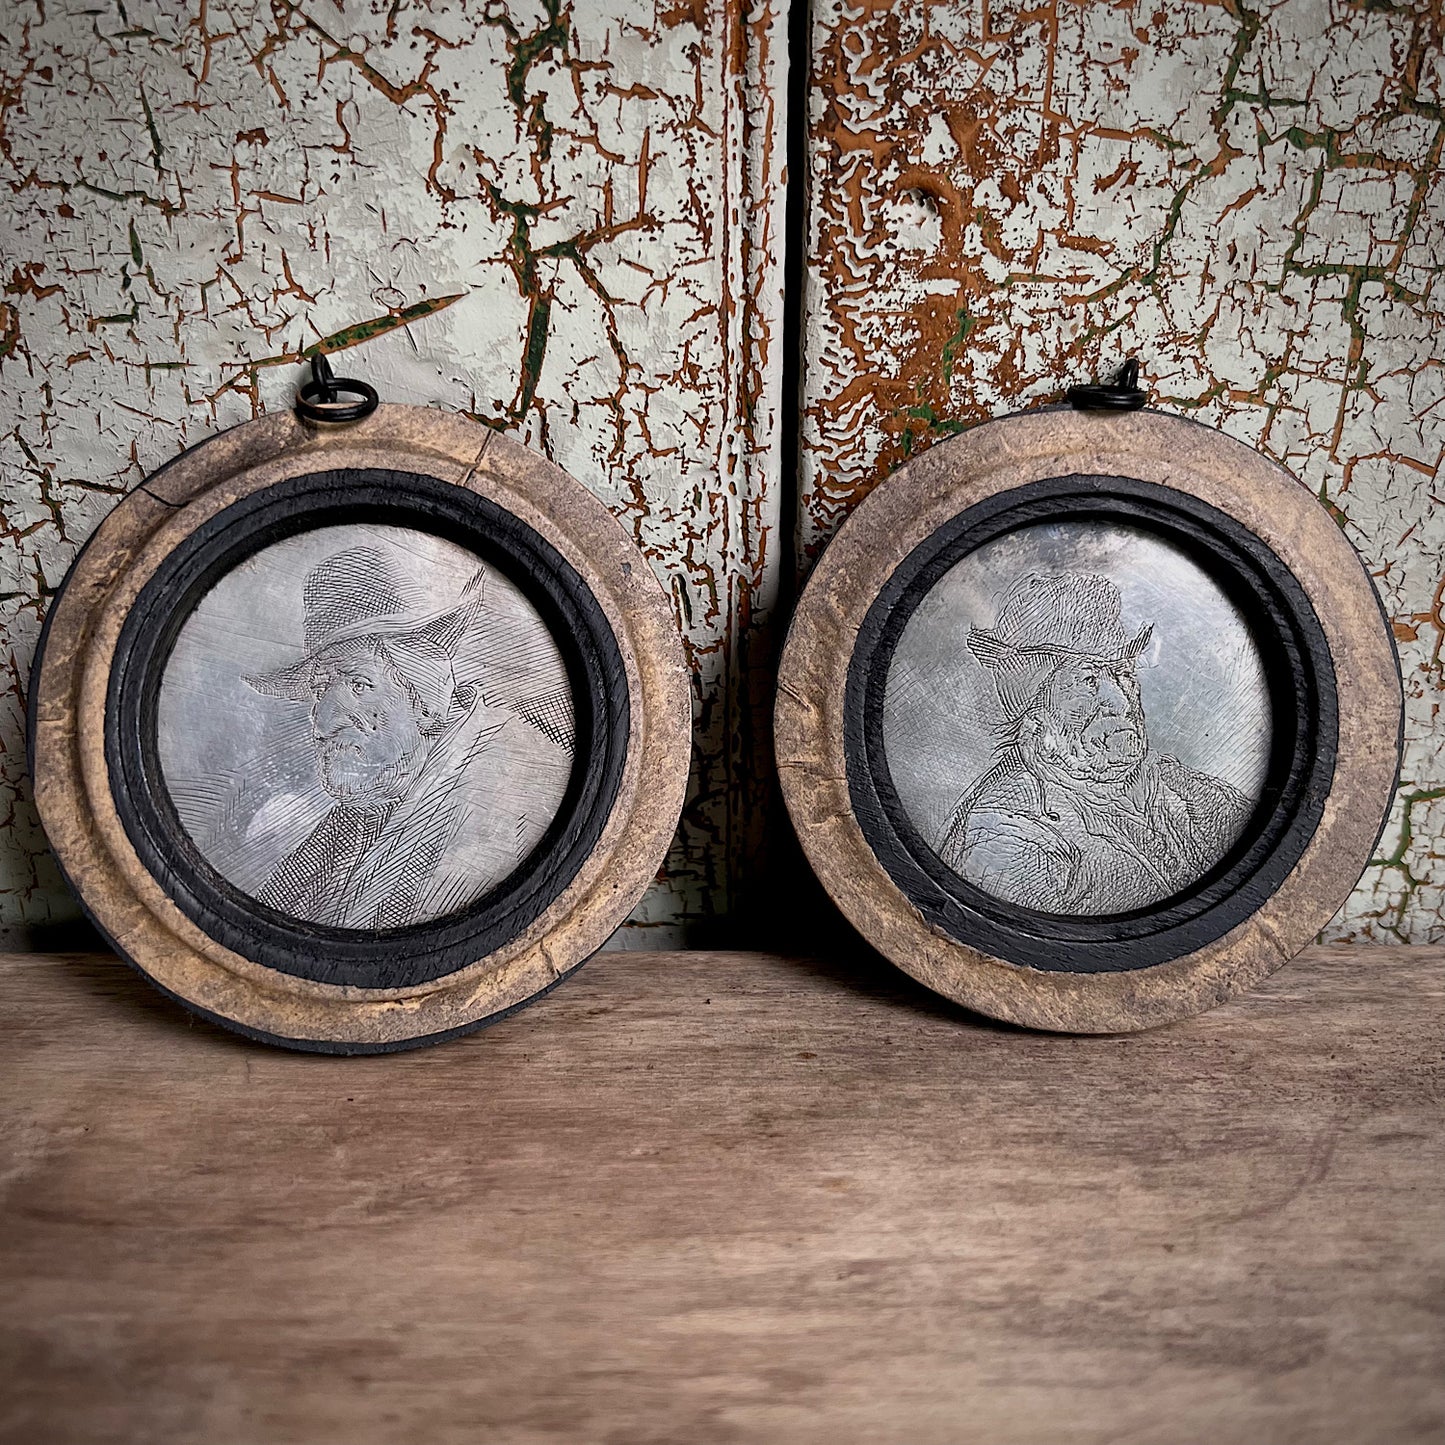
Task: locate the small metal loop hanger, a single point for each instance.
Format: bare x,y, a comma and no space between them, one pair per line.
1122,394
320,398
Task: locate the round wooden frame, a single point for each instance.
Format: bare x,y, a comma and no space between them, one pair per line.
820,747
80,788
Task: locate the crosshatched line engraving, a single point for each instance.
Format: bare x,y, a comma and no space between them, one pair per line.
1076,719
365,727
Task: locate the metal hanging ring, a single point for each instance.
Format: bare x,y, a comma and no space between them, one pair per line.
320,398
1122,394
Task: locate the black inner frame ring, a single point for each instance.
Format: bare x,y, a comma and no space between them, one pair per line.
1305,715
383,958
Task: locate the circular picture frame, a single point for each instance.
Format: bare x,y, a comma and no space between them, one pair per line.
1077,844
351,832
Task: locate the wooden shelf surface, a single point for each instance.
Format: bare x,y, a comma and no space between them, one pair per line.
734,1197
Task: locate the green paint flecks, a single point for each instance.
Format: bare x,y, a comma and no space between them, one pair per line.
1249,199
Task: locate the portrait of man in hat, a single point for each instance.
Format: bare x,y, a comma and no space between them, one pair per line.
432,792
1078,813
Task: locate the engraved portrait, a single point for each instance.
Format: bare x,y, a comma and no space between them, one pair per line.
1076,720
365,727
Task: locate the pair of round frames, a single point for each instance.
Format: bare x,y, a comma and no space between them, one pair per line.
1089,720
354,736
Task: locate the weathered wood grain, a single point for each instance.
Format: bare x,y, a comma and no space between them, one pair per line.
713,1197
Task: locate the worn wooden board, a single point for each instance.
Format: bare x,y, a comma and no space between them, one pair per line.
1004,199
722,1197
563,219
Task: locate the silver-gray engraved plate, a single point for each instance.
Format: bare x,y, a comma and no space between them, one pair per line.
366,727
1076,719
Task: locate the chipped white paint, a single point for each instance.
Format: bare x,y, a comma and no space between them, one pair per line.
573,229
1250,198
564,221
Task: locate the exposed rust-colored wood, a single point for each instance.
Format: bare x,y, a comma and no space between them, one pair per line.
722,1197
1007,199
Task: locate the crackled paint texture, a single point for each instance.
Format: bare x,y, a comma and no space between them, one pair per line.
1005,199
561,219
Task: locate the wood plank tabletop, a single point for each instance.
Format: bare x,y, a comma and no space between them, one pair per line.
729,1197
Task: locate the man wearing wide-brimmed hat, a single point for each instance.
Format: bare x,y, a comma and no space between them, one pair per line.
1078,814
437,794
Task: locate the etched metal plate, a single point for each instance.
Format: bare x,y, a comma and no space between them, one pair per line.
1086,719
1077,720
366,727
353,736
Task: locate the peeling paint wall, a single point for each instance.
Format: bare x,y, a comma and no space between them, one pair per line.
566,220
1005,199
563,219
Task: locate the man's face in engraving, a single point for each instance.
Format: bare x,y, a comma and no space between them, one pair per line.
418,791
364,724
1091,719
